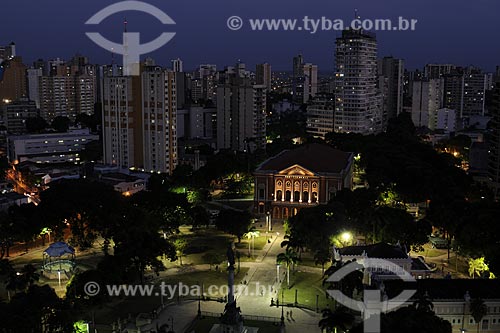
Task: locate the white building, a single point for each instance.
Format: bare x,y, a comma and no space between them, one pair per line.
139,121
320,115
310,81
50,147
427,100
177,65
263,75
241,112
358,101
33,76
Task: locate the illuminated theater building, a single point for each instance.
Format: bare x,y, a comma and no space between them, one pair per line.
304,177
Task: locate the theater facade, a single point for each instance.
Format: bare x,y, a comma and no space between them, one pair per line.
304,177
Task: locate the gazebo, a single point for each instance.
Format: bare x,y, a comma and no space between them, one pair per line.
58,258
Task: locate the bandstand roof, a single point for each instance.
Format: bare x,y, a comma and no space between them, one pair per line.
59,249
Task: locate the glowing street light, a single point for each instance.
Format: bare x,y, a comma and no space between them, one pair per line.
346,238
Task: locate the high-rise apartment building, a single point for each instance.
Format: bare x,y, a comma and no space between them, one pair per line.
298,79
139,120
69,89
16,113
465,90
33,76
320,115
427,100
357,97
177,65
241,112
391,83
494,143
12,80
310,86
263,75
7,52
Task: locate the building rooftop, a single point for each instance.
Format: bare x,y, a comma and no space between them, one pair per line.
314,157
448,289
380,250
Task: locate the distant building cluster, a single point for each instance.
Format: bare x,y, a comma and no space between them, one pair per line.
151,122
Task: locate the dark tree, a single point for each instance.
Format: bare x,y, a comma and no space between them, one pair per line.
61,124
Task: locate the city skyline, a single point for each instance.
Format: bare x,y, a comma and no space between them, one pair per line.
210,44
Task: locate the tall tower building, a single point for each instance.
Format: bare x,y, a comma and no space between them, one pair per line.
241,112
358,100
263,75
7,52
33,76
139,120
177,65
67,92
391,72
298,79
310,87
465,90
427,100
494,143
12,80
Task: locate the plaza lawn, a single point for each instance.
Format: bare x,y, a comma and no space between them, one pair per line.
207,278
203,241
308,285
205,325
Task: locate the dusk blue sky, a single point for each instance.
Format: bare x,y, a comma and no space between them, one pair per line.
463,32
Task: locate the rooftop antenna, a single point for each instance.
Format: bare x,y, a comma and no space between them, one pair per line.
356,14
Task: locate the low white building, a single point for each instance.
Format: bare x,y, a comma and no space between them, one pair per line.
452,299
443,119
123,183
395,254
49,147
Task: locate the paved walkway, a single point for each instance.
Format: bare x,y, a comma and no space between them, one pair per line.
254,299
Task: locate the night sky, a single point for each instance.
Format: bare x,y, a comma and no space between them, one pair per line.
462,32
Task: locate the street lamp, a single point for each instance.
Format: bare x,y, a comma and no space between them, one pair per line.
346,238
269,221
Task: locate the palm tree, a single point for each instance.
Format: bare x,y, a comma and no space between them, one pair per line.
288,258
294,242
336,321
478,310
321,257
477,266
250,235
181,245
424,303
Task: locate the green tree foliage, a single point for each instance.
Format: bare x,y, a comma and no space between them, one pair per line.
478,310
36,125
90,209
61,124
38,309
234,222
